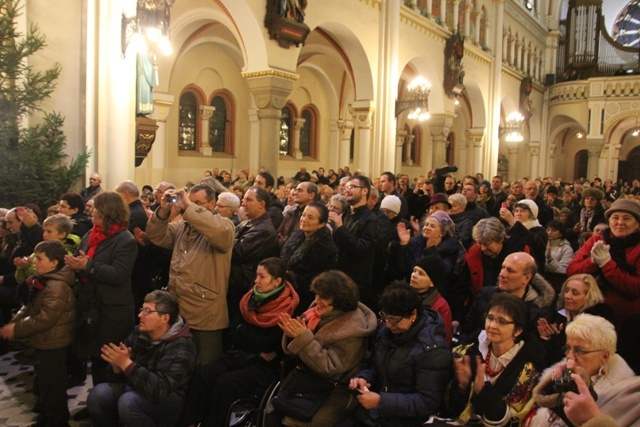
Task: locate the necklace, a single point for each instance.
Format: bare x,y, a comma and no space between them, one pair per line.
488,369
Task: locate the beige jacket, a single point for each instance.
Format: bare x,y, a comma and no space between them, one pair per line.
200,264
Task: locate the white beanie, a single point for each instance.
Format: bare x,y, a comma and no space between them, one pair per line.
392,203
531,205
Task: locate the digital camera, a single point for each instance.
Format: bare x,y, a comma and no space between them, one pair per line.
565,383
171,198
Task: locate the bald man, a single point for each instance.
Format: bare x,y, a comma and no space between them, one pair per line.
518,277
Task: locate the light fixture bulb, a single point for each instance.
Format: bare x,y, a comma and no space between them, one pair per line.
636,132
165,46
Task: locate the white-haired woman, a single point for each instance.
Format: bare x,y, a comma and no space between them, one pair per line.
227,206
591,353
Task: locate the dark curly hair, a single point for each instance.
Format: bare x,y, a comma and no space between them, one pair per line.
400,299
336,286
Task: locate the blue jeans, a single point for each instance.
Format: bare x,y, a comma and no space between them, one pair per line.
109,402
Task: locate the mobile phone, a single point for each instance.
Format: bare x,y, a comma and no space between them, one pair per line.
505,205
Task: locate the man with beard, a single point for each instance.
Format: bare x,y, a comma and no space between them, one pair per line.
356,235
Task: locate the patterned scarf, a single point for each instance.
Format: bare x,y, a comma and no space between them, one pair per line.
266,313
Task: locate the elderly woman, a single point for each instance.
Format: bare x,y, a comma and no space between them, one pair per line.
227,206
494,376
330,341
104,263
464,224
437,238
411,363
614,258
252,363
309,251
338,204
579,294
524,223
590,352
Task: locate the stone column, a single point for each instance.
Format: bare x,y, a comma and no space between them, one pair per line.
479,16
513,149
401,136
414,5
206,111
476,137
429,8
467,20
409,140
443,13
456,15
439,126
298,123
270,90
595,147
162,103
334,142
346,128
363,116
534,159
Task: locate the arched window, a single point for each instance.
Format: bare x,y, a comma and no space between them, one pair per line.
221,126
309,132
286,130
188,120
451,139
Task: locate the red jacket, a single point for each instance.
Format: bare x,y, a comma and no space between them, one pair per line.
624,294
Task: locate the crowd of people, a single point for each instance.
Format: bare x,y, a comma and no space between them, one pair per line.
384,302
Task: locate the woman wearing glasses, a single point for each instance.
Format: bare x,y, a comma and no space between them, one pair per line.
591,353
411,363
495,376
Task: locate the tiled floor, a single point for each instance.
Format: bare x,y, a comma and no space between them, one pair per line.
16,398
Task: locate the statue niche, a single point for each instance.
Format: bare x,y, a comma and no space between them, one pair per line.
285,22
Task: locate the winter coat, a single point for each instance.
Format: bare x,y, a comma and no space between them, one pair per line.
339,344
308,257
109,272
561,256
48,319
161,367
410,371
200,264
536,238
27,241
507,399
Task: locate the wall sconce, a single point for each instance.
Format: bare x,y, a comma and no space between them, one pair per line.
149,29
513,129
418,101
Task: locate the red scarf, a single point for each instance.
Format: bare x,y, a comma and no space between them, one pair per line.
313,318
268,314
97,236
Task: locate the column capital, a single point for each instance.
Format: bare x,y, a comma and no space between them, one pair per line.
162,103
476,136
269,90
206,111
440,124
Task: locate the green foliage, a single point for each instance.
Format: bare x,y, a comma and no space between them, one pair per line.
35,167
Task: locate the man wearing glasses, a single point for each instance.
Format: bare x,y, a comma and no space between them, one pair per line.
200,263
156,362
355,236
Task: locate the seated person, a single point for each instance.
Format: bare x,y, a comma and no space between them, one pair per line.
411,363
495,375
156,362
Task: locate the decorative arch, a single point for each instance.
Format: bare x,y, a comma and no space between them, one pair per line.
189,131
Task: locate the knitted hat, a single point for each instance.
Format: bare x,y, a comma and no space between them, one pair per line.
439,198
552,189
392,203
565,211
485,182
624,205
530,205
448,227
592,192
433,266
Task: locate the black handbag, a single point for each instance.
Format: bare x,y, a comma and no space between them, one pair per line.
302,394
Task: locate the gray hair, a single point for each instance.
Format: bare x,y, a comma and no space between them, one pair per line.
230,198
130,188
459,199
489,230
596,330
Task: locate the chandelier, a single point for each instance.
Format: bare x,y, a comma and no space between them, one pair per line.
149,29
418,101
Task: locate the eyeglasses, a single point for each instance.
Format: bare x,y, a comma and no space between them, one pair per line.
577,351
147,311
222,207
499,320
393,319
351,187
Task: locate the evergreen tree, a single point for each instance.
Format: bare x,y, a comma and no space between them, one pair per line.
34,166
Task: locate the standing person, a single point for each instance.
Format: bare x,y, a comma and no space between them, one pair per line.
411,364
200,263
310,251
104,263
154,364
356,236
93,189
48,321
72,205
387,185
525,225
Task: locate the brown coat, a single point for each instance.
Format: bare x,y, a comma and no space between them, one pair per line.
48,320
200,264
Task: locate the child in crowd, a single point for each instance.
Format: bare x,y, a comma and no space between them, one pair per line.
48,321
55,227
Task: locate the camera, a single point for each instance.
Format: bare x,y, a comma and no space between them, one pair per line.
446,170
171,198
565,383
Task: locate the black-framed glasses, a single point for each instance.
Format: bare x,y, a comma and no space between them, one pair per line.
390,318
577,351
147,311
351,187
501,321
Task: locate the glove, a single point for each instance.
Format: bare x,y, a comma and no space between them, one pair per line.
600,253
